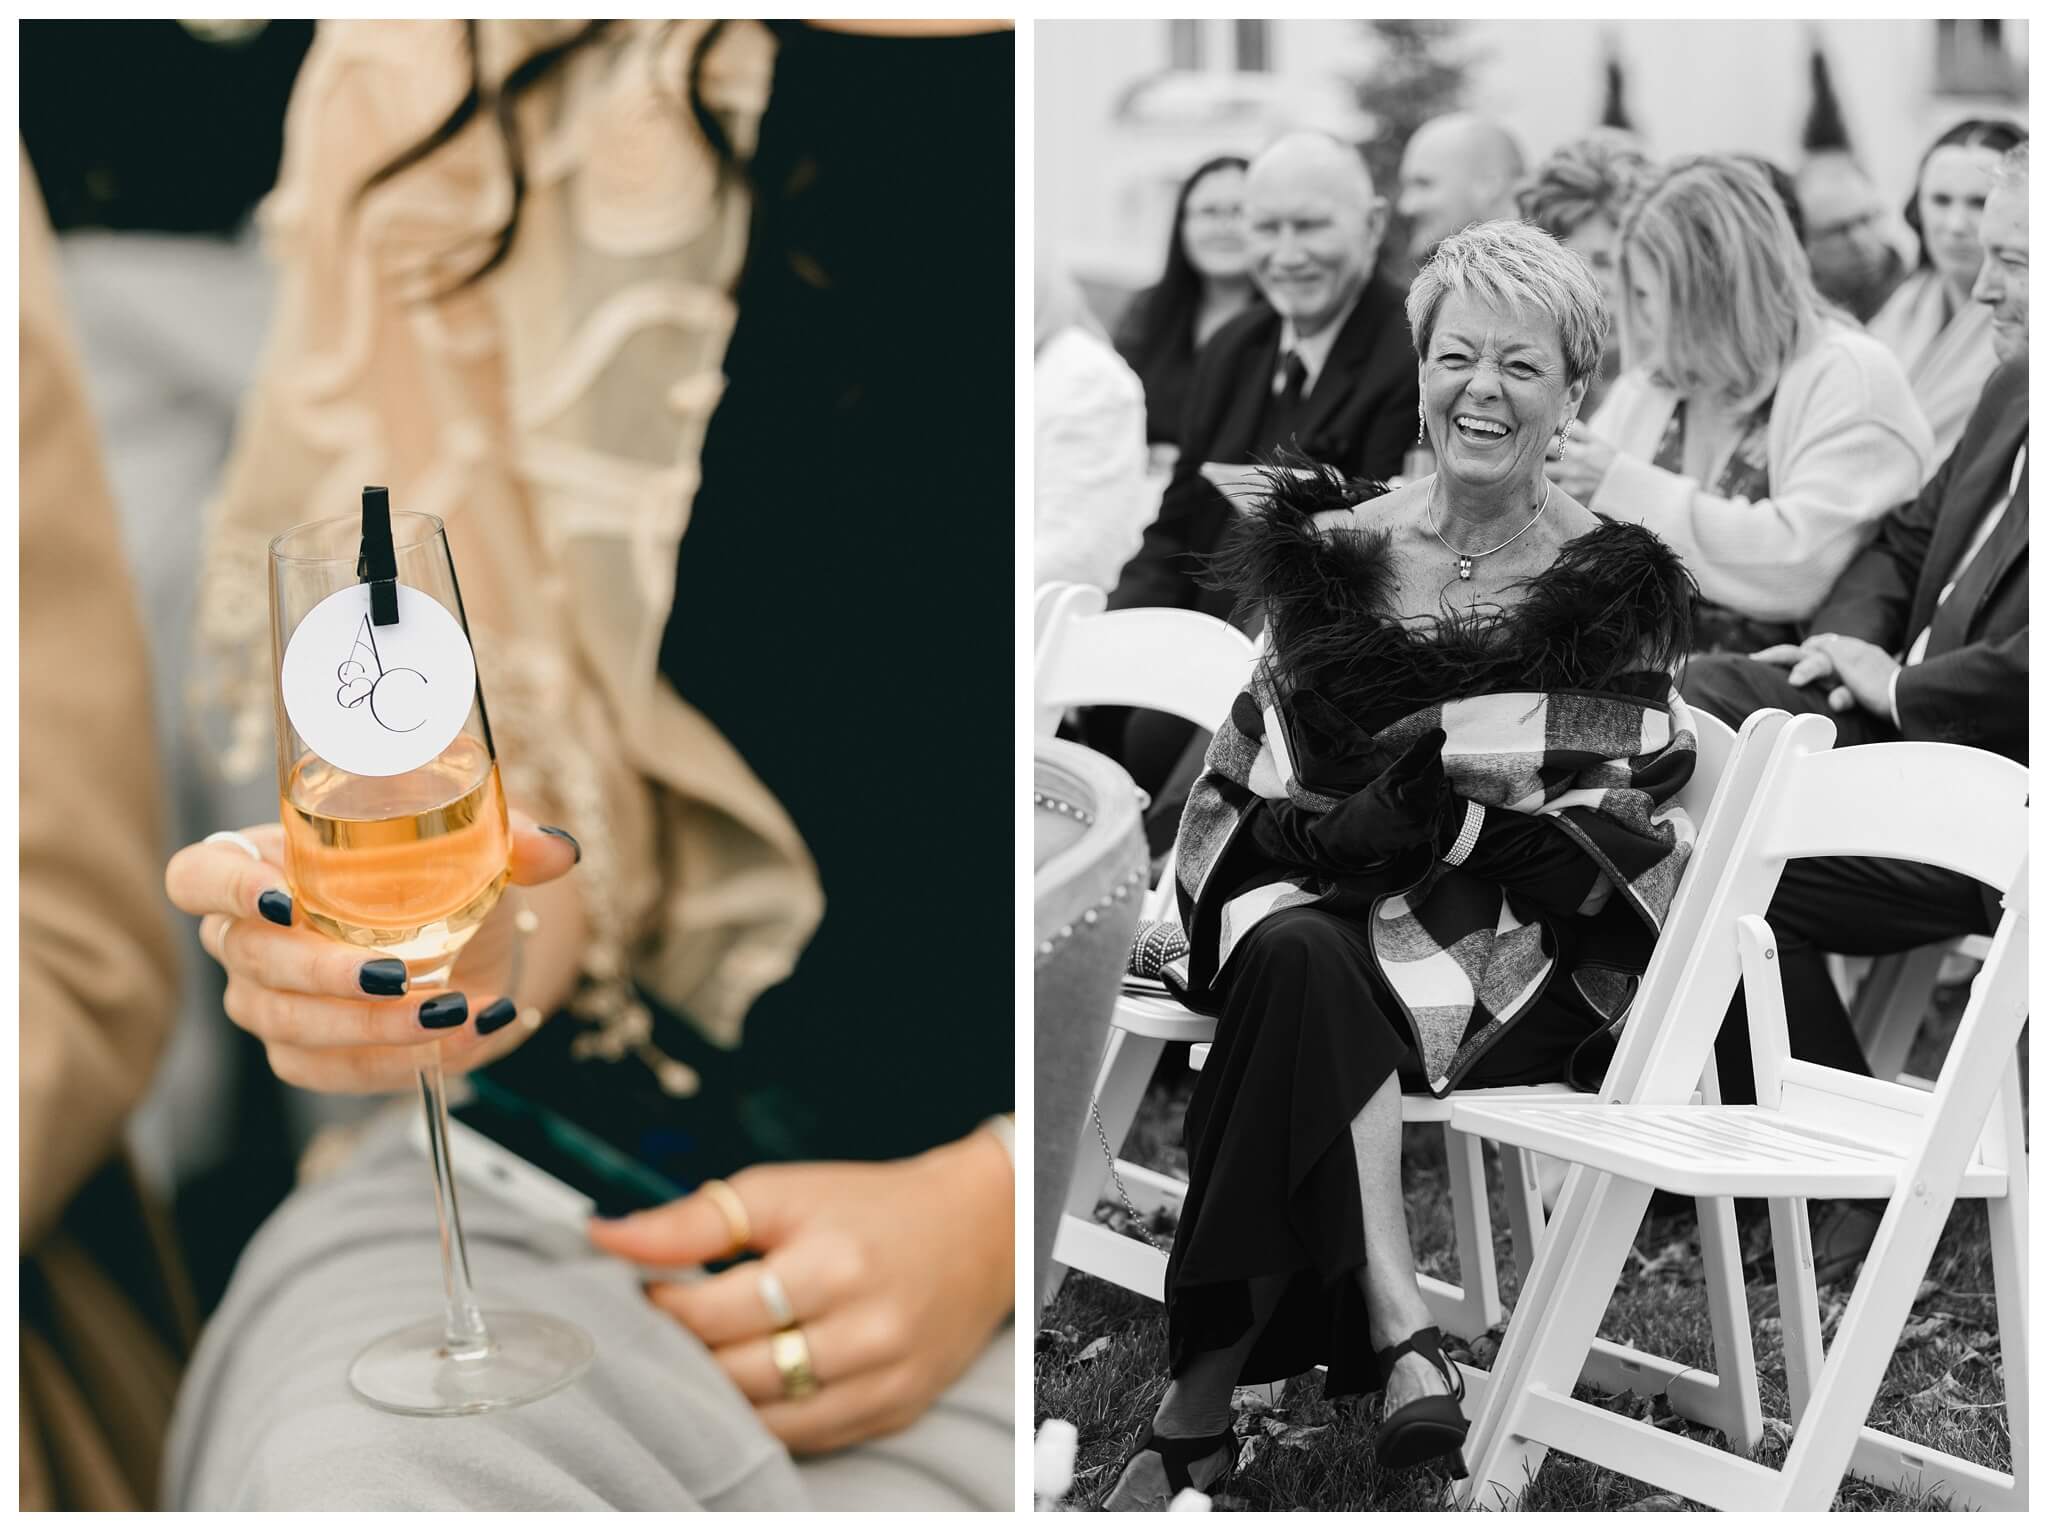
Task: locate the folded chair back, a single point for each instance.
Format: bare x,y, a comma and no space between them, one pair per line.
1163,658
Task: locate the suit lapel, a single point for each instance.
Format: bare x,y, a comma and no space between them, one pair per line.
1973,494
1954,621
1238,439
1350,352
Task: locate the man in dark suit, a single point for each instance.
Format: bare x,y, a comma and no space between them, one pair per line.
1924,636
1327,370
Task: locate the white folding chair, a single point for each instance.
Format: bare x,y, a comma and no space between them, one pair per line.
1076,668
1160,657
1815,1133
1055,602
1193,666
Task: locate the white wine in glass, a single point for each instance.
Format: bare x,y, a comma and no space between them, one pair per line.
397,842
373,867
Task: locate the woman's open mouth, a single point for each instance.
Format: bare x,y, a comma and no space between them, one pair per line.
1479,430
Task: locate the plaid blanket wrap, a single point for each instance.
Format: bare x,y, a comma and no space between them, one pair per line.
1606,768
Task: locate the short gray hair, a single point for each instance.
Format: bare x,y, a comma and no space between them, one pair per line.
1512,265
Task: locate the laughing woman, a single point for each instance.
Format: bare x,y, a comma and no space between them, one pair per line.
1430,843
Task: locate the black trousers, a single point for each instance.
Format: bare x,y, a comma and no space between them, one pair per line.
1851,905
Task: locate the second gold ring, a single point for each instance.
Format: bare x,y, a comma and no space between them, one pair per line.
791,1353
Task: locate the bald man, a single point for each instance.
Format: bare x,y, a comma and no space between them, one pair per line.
1458,169
1323,366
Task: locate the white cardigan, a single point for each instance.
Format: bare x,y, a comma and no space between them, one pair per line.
1093,500
1846,443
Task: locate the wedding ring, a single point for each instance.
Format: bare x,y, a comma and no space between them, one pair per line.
737,1223
792,1356
773,1297
235,837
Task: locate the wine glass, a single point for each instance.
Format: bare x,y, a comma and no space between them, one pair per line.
397,841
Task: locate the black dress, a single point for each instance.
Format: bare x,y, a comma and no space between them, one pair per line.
1307,1030
844,614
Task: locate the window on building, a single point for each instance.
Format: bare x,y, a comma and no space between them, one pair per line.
1976,58
1184,44
1254,45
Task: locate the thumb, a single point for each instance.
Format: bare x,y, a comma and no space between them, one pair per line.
541,853
691,1230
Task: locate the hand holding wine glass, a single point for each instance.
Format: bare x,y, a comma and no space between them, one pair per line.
329,1015
395,844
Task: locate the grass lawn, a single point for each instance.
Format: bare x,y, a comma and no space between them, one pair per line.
1944,1388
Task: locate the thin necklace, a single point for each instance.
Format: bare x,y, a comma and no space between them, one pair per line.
1465,559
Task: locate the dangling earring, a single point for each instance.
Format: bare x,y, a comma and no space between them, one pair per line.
1564,431
1421,425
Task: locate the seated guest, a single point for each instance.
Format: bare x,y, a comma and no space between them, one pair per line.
1944,339
1088,426
1577,196
1342,778
1924,636
1757,433
1457,169
106,1320
629,401
1855,265
1326,370
1207,283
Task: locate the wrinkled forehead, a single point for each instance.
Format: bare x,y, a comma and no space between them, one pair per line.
1510,321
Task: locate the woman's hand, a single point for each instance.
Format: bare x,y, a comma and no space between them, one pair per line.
897,1274
1403,806
1581,467
334,1017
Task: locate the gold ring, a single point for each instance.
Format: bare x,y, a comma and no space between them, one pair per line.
792,1357
737,1223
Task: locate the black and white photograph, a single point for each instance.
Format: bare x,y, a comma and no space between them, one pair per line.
1530,712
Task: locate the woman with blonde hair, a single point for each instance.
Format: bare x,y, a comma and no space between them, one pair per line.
1383,877
1755,429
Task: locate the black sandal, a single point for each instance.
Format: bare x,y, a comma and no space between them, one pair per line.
1430,1427
1177,1453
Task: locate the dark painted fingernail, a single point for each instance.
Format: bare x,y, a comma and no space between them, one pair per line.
387,975
495,1015
444,1010
563,834
275,906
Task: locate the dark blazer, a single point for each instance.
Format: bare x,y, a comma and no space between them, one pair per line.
1359,417
1166,368
1972,686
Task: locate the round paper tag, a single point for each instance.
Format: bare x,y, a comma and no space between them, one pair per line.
378,701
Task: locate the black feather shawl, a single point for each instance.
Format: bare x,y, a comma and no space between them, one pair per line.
1613,613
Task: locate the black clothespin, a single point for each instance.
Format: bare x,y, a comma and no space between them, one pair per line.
377,563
